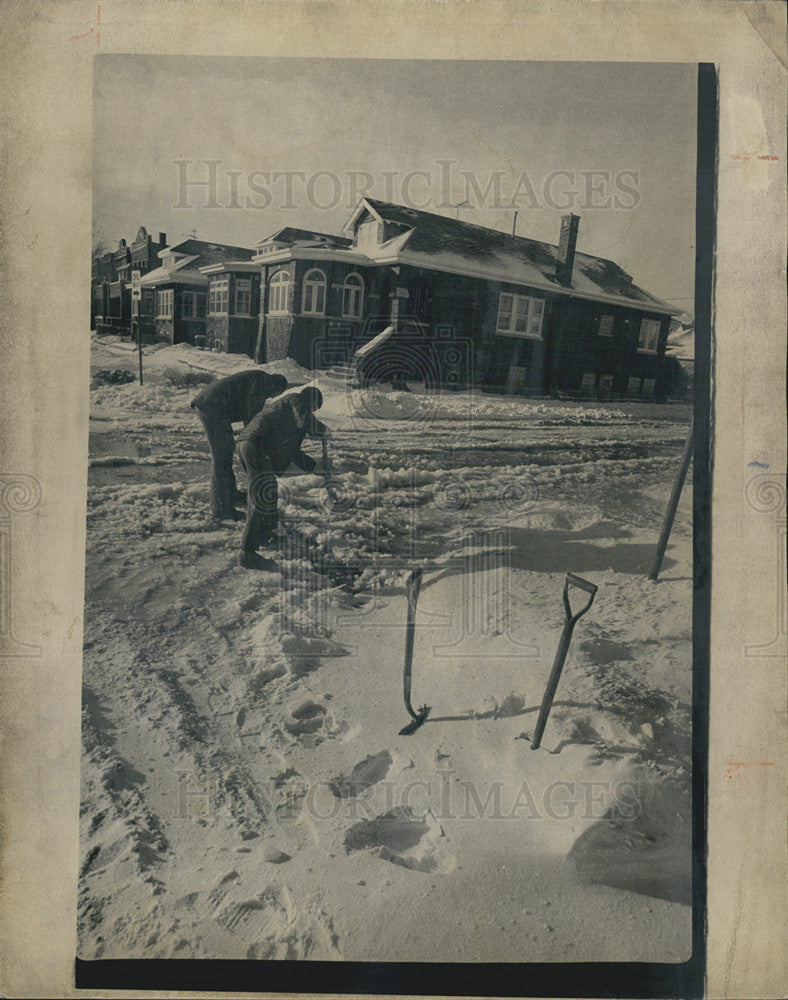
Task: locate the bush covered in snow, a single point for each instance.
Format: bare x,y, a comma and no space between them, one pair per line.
110,376
186,379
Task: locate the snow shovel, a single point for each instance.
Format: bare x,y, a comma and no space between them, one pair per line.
570,620
413,588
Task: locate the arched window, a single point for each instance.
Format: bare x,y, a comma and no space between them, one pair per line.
353,297
313,302
280,287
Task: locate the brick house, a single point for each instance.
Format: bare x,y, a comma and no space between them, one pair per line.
233,305
110,280
525,316
313,286
178,301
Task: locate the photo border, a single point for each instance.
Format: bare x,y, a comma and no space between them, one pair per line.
538,979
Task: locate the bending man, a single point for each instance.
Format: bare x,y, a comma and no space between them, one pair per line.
236,398
267,446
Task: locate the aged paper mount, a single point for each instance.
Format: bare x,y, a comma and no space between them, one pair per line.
48,50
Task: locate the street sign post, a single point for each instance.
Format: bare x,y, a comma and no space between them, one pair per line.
136,295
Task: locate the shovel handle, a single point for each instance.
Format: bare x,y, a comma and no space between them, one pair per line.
563,648
581,584
413,588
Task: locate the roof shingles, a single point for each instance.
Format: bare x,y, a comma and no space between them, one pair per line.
437,240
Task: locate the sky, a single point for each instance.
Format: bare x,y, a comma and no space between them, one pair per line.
298,141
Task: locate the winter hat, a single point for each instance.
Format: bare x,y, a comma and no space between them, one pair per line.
312,396
278,384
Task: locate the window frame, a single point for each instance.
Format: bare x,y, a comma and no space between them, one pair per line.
218,296
644,340
243,289
535,310
165,298
356,293
196,301
608,334
279,292
312,290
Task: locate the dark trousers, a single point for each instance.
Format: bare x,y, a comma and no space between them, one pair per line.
222,444
261,499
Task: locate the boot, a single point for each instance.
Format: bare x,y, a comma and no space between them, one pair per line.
230,515
251,560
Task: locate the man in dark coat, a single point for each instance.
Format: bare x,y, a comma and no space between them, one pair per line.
267,446
234,399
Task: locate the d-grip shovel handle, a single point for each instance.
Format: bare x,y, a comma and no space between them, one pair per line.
581,584
560,653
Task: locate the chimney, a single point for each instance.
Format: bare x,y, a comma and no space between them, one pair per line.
163,239
566,248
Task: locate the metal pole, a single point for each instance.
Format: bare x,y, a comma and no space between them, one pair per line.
139,344
673,503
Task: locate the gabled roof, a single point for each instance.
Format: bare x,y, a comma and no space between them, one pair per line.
192,254
204,253
438,242
290,236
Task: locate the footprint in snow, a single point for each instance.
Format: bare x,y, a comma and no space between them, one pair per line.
366,773
290,814
403,838
306,719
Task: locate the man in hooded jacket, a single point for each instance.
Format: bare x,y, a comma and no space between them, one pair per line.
267,446
234,399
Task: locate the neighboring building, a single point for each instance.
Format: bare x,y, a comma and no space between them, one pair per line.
103,272
528,316
111,292
233,306
311,288
175,294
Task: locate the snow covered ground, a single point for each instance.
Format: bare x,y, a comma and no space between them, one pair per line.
245,790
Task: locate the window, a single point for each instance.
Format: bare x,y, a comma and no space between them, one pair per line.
520,316
218,296
243,296
313,302
164,304
649,335
353,297
605,326
280,289
193,305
